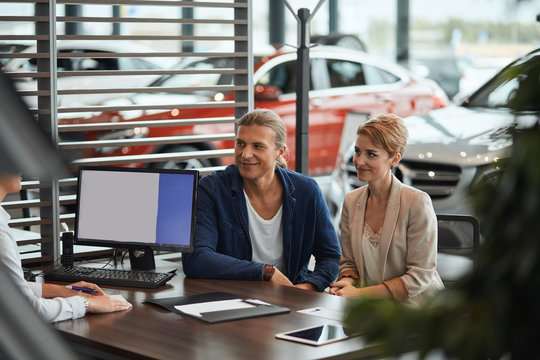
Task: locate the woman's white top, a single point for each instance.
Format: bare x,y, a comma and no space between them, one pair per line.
50,310
372,255
266,237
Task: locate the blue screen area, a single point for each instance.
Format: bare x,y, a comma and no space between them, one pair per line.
174,209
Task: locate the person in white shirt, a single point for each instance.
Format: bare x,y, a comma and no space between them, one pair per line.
52,302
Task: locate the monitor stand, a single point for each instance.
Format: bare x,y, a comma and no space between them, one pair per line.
142,259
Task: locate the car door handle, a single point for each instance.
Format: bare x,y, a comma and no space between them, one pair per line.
315,103
384,98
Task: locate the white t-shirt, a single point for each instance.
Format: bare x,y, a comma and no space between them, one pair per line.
266,237
49,309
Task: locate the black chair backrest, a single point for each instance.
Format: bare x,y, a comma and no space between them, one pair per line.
458,232
458,239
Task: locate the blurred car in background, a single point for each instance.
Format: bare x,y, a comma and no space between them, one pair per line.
449,149
343,81
478,71
442,67
66,82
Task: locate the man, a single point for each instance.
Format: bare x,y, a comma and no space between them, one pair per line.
257,220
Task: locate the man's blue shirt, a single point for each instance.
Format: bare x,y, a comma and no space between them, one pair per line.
222,242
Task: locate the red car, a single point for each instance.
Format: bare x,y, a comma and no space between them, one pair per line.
343,82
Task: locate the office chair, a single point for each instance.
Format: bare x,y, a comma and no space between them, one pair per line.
457,241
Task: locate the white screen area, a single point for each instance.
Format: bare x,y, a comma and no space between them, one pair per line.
118,206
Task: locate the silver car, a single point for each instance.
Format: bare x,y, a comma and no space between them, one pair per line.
453,147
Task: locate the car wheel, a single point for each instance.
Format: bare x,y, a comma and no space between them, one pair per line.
182,164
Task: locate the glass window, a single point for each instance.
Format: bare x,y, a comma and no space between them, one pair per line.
516,87
193,80
282,76
376,76
345,73
136,64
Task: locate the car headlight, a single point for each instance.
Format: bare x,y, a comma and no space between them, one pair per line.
134,133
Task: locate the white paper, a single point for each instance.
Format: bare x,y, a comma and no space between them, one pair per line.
118,297
257,302
324,313
210,306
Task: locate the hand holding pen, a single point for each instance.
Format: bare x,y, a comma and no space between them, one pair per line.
83,289
86,287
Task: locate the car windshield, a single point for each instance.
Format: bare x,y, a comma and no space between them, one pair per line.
516,87
200,79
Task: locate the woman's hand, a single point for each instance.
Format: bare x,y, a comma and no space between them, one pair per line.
377,291
49,291
335,286
90,286
349,290
106,304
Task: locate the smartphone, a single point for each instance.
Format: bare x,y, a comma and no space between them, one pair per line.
317,335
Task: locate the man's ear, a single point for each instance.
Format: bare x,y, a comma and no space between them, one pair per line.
282,151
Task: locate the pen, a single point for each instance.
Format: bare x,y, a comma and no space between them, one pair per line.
83,289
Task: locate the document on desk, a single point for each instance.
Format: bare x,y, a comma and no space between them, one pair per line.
324,313
210,306
217,307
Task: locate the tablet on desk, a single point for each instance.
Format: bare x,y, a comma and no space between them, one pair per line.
316,335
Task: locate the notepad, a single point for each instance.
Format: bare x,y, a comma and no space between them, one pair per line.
217,307
210,306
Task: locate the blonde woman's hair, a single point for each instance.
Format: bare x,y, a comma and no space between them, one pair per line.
387,131
266,117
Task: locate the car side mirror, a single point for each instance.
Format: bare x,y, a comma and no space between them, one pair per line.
266,92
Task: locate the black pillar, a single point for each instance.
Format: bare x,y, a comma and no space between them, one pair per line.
302,93
116,25
187,29
73,28
276,23
402,32
333,16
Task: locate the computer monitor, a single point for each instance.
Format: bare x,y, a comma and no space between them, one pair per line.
136,209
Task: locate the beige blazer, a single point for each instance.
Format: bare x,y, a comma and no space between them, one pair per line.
408,242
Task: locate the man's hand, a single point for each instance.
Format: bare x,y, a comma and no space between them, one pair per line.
279,279
306,286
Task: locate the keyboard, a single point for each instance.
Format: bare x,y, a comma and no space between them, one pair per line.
103,276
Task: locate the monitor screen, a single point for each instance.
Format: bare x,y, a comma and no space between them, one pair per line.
132,208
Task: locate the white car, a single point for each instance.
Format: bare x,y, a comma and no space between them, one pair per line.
66,82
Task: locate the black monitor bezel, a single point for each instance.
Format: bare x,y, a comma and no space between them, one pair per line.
138,245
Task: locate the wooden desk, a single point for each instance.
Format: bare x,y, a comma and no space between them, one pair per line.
149,331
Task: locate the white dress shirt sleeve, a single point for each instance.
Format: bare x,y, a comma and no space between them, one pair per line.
50,310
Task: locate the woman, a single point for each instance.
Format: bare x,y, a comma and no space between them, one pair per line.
52,302
257,220
388,229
